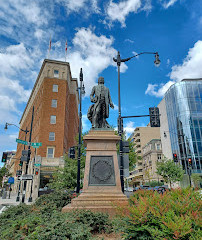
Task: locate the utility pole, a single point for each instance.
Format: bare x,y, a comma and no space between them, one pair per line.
118,61
81,90
21,166
29,153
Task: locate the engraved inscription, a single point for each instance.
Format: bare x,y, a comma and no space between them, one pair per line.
102,170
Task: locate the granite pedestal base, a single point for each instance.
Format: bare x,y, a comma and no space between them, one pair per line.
101,187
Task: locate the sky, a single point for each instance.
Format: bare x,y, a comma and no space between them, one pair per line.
95,30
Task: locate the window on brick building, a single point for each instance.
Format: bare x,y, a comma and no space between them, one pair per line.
54,103
51,136
50,152
158,146
53,119
55,88
56,73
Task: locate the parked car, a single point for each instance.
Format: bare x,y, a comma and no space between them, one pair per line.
129,189
160,189
144,187
135,189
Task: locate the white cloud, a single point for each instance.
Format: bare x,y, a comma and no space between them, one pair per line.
86,124
39,33
15,58
129,128
15,61
93,53
129,40
22,10
151,89
168,62
116,107
168,3
78,5
119,11
56,44
190,68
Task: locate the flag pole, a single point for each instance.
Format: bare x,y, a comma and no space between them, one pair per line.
49,48
66,51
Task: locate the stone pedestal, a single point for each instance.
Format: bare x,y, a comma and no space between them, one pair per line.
101,187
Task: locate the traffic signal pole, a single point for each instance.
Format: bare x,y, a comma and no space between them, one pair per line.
81,91
27,163
118,61
30,197
18,196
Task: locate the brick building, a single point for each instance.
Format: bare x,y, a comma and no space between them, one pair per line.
55,101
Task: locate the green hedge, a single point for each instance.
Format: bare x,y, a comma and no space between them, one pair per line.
174,215
44,220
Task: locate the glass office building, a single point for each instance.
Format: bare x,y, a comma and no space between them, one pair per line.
184,113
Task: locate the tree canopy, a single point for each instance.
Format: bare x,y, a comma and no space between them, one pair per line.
170,171
66,178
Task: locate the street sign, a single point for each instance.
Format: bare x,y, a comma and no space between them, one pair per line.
37,159
37,164
21,141
11,180
25,177
36,144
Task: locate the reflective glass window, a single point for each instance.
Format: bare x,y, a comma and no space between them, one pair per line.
196,90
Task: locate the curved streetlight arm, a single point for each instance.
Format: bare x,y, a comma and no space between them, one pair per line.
11,124
118,60
127,59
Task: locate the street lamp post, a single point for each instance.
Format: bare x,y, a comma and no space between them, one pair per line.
118,60
27,163
81,91
26,131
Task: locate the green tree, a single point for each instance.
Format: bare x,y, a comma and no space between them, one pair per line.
3,172
196,178
66,178
170,171
132,155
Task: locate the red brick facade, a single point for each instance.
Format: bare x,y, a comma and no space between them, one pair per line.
66,112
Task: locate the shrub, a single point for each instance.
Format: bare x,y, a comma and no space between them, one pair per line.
55,200
99,222
173,215
44,220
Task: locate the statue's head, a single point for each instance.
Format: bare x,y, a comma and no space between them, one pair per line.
100,80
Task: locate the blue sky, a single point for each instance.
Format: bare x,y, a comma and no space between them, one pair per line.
95,30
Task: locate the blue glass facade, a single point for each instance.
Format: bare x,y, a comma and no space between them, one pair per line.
184,112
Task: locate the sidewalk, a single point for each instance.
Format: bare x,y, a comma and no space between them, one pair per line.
12,200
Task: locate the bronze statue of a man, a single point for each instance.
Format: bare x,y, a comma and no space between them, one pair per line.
99,111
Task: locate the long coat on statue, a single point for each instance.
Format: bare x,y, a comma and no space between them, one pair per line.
96,100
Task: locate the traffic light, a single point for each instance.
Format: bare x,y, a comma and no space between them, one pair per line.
71,152
18,173
36,171
154,117
175,157
4,157
20,164
25,155
190,161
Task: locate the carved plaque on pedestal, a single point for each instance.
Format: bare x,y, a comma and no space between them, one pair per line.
102,171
